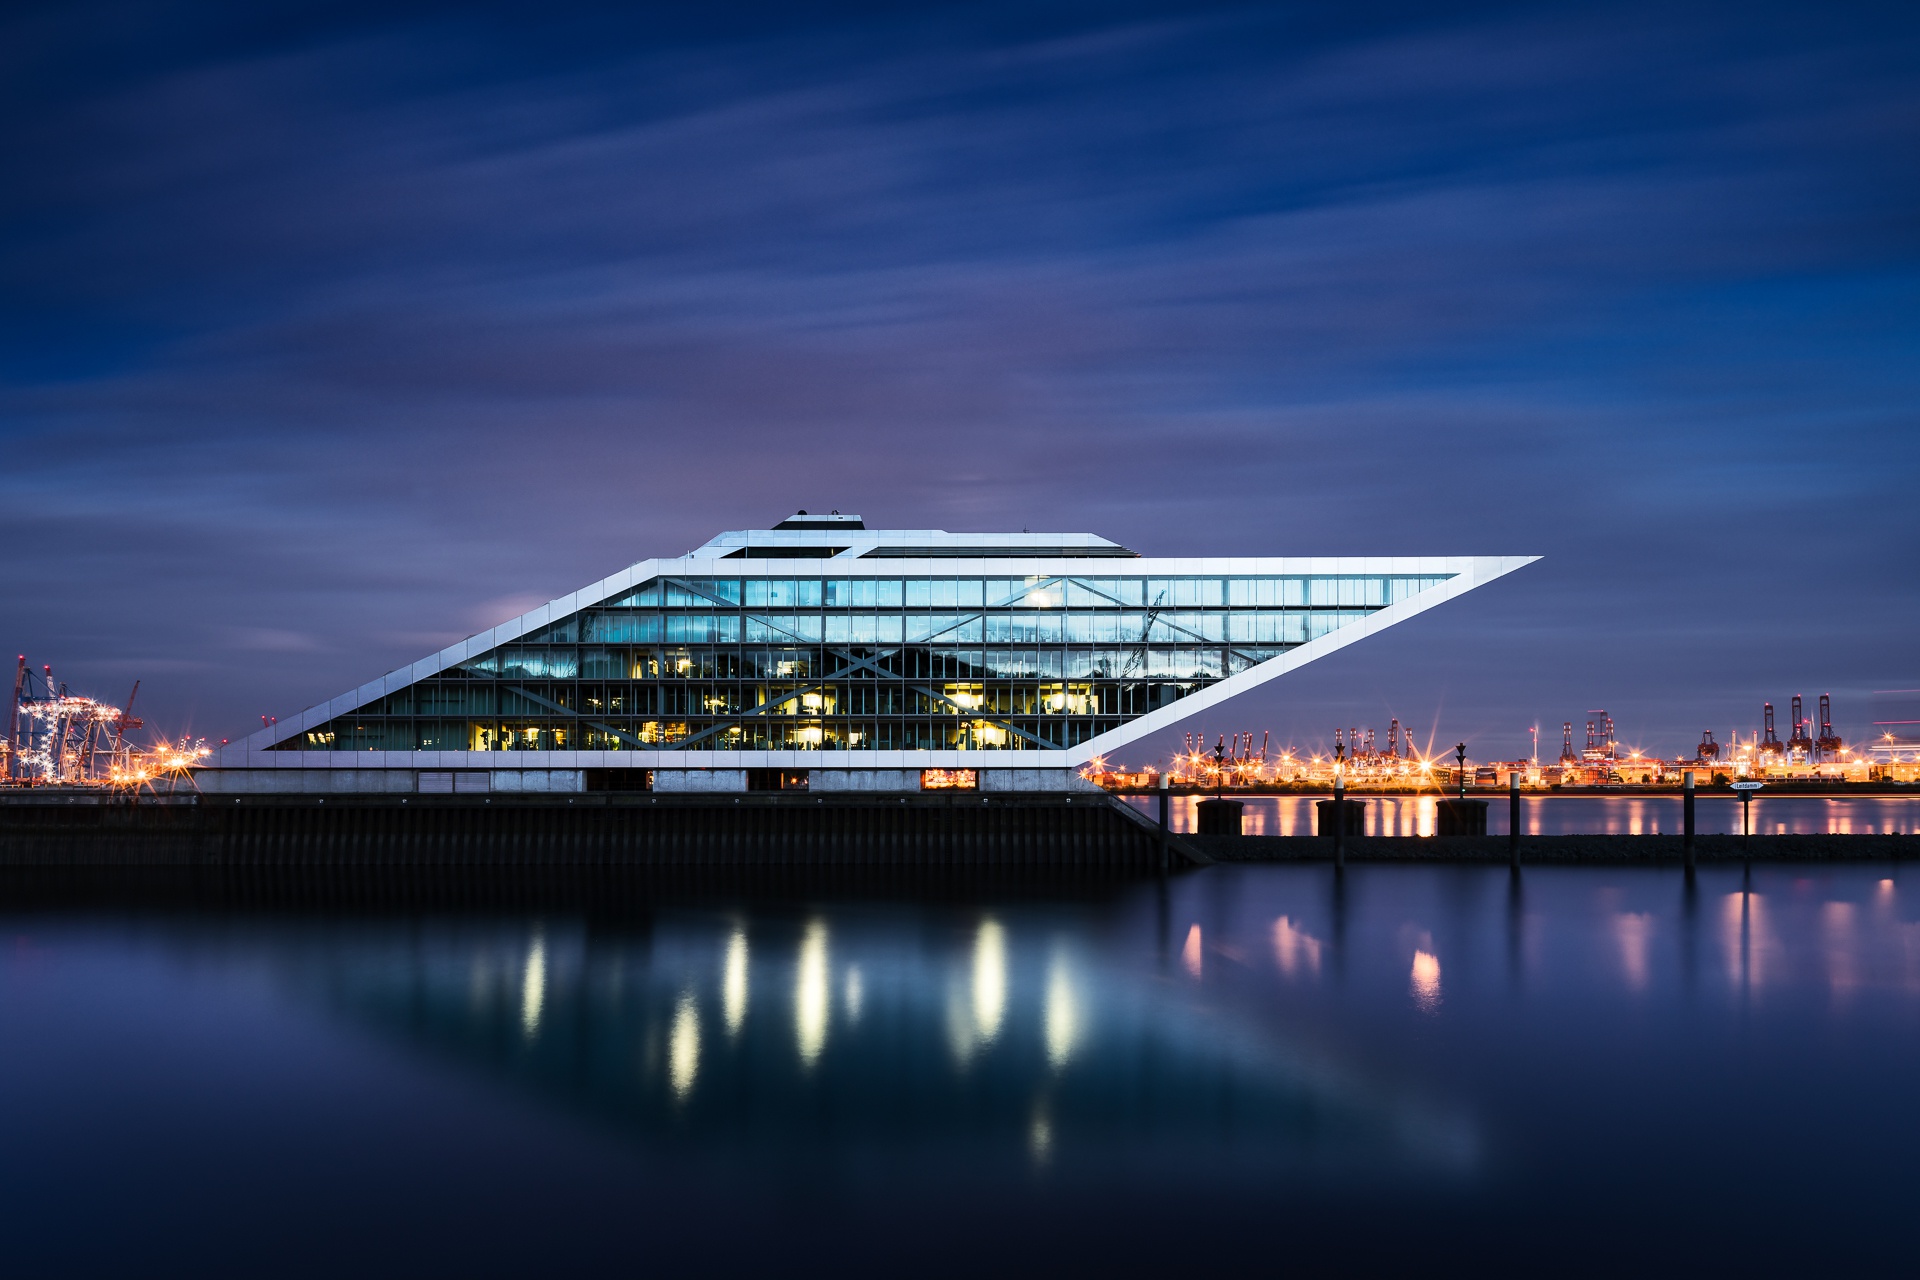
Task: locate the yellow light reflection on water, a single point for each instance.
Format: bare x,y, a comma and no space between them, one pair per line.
1062,1015
1190,954
533,988
1425,981
1040,1134
1843,969
811,998
989,978
1633,930
733,983
683,1046
1294,949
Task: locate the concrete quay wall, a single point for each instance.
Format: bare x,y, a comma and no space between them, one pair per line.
951,829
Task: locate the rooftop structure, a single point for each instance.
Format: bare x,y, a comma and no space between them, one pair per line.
825,654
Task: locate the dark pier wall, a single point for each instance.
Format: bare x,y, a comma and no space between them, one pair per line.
959,830
1562,849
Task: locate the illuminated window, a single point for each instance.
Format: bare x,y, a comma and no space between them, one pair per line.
949,780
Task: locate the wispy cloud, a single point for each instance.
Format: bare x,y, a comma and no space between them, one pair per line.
384,317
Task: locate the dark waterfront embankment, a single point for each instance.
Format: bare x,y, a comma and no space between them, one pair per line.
726,836
1086,831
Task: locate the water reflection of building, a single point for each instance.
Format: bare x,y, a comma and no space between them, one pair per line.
746,1036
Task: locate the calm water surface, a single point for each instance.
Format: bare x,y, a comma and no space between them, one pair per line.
1580,1070
1575,815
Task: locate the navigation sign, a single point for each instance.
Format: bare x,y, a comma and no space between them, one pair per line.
1748,786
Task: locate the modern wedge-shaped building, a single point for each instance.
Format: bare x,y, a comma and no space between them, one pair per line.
826,655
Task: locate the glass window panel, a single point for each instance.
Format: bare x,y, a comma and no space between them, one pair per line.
565,631
645,596
726,590
782,593
1088,595
622,628
602,664
538,663
784,629
1086,628
1042,594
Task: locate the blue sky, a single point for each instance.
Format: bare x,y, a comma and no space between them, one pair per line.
331,334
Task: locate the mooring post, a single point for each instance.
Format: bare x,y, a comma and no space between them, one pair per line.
1513,819
1163,821
1686,815
1339,812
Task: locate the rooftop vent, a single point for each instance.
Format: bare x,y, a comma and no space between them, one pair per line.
833,520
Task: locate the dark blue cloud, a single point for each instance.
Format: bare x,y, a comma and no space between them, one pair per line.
325,331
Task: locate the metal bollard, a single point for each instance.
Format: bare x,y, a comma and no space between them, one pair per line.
1513,820
1686,818
1339,818
1163,822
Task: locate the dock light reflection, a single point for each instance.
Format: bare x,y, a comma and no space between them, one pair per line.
683,1046
1425,982
989,979
1040,1135
1294,949
733,983
855,992
1190,954
1634,932
1062,1014
533,988
1843,968
810,994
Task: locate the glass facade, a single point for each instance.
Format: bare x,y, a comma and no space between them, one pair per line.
860,663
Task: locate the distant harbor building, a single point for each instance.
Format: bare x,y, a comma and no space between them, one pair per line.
824,655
